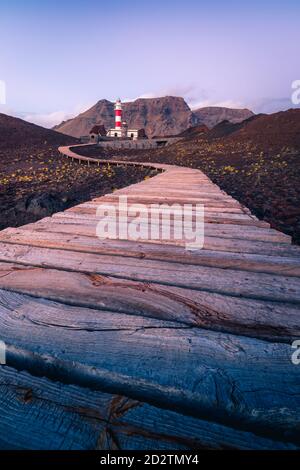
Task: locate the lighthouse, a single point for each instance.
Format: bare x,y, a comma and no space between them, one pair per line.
121,130
118,114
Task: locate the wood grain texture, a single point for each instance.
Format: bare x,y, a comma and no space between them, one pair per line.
87,228
289,266
145,360
37,413
116,344
269,320
232,282
211,229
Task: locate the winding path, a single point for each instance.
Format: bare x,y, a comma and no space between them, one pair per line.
138,345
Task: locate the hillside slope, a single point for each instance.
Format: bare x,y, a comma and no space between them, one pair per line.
213,115
271,131
15,132
36,180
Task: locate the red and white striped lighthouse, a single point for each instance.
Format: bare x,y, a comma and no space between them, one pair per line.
118,114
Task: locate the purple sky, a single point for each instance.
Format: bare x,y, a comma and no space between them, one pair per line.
57,59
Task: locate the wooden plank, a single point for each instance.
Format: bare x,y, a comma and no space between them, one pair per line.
289,266
209,217
176,200
209,210
210,229
221,216
200,197
78,227
268,320
204,374
190,190
233,210
182,345
40,414
225,281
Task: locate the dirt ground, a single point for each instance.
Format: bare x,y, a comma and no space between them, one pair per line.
37,181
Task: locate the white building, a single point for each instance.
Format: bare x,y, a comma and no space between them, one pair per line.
121,129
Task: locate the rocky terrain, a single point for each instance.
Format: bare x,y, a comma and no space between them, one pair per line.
168,115
213,115
36,181
257,162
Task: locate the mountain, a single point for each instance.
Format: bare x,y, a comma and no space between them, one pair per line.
158,116
15,132
213,115
168,115
101,113
267,132
225,128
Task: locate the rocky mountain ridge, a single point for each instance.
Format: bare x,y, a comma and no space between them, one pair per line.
168,115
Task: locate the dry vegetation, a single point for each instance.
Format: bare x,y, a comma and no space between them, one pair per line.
258,163
36,182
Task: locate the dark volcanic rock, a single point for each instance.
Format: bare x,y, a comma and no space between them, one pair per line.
43,205
271,131
213,115
225,128
195,131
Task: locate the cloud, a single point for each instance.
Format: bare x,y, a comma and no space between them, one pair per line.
185,91
48,119
53,118
6,110
195,96
221,104
272,105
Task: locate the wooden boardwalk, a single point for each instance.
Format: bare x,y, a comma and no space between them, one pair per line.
116,344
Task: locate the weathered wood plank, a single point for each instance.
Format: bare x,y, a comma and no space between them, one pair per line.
186,199
204,374
225,281
268,320
217,211
210,216
174,334
37,414
78,227
73,242
230,230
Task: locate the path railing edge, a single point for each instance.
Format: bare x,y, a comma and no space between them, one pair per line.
67,152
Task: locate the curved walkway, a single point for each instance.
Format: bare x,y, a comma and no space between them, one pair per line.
145,345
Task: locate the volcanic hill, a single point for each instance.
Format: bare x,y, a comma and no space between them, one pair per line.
36,180
15,132
168,115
